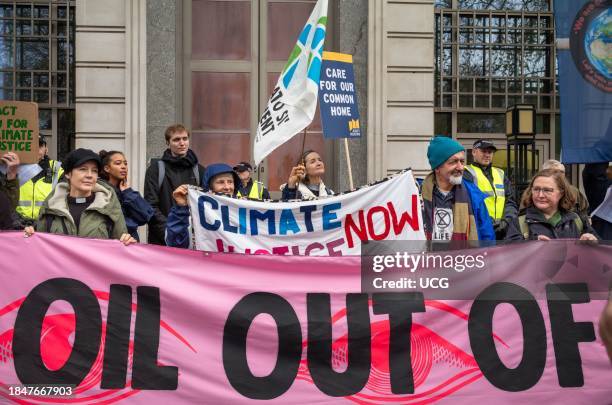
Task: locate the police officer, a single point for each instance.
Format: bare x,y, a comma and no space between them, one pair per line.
249,188
33,192
494,183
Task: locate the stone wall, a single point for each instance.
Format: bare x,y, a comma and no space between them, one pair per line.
351,37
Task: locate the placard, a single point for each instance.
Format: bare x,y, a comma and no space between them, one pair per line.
19,129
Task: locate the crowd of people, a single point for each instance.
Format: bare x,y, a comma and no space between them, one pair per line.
89,194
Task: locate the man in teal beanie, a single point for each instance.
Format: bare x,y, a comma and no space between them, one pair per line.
453,209
441,148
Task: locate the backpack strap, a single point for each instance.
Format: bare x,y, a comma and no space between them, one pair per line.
161,173
523,226
196,174
579,224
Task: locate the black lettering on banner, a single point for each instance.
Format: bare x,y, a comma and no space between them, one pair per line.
146,373
29,366
266,123
480,327
278,106
117,341
400,307
284,117
566,333
289,346
276,95
356,375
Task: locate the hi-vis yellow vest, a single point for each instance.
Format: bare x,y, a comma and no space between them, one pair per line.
496,196
32,195
256,192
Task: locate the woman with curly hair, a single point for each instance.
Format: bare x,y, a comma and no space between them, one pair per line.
136,210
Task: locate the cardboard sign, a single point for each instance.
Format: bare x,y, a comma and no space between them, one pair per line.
19,129
338,97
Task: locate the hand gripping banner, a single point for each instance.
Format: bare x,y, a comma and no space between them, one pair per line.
156,325
332,226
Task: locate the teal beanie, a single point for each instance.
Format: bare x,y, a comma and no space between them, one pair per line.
440,149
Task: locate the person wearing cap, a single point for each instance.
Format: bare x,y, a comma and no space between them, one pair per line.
453,208
81,206
219,178
34,192
248,188
177,166
494,183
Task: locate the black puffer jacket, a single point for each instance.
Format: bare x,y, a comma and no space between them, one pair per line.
8,218
537,224
179,170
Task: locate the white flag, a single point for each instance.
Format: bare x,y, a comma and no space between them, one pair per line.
294,100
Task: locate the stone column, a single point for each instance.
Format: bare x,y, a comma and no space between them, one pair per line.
100,74
136,90
163,107
110,79
400,85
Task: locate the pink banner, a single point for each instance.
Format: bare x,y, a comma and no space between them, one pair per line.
149,325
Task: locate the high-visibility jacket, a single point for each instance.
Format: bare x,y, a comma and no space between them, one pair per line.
496,194
32,194
256,192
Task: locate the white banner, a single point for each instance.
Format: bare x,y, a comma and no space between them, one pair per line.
332,226
294,100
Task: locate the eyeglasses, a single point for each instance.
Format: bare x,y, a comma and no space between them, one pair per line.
543,190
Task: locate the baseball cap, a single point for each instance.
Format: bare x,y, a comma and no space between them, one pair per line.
242,166
79,156
484,144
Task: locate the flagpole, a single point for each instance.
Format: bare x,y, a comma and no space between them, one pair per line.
303,144
348,163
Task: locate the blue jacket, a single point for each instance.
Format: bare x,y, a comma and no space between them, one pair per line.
177,227
484,223
136,210
177,224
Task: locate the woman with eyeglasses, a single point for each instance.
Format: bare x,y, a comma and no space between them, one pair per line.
548,211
